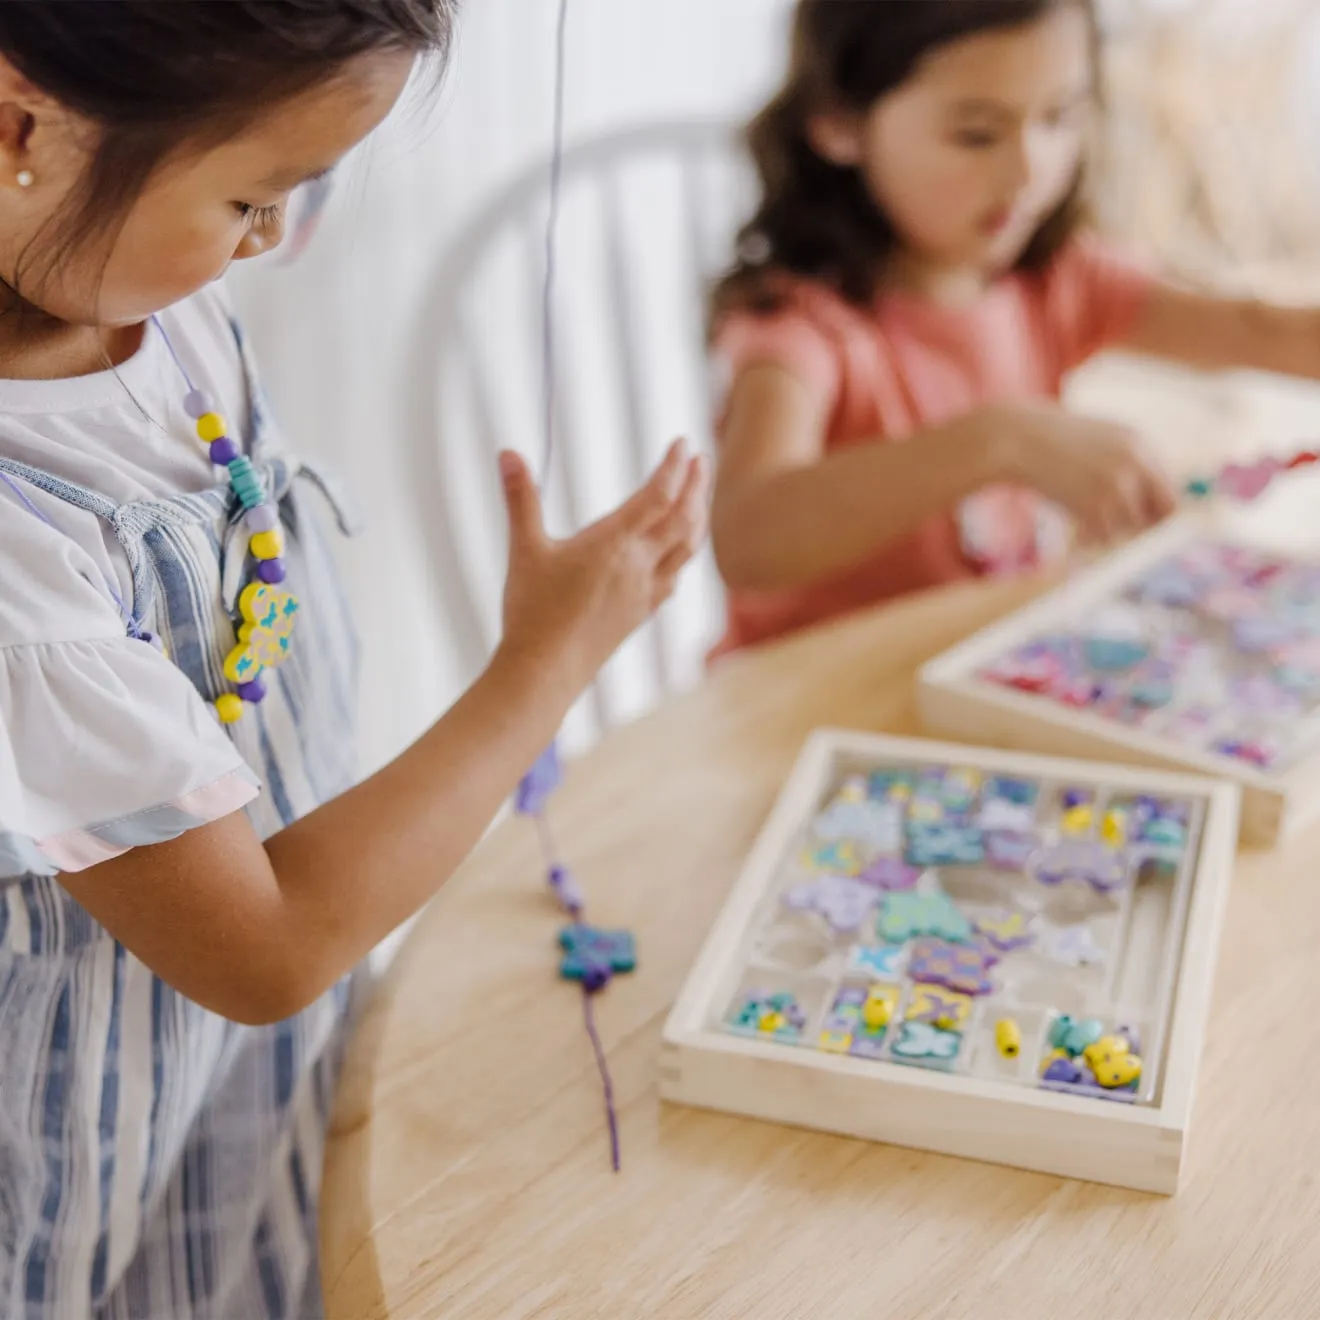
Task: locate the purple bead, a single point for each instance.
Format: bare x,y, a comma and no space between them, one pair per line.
539,783
1065,1071
223,451
272,571
595,977
253,692
566,888
196,403
264,518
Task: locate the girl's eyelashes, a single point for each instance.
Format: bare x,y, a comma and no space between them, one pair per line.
977,139
981,137
260,215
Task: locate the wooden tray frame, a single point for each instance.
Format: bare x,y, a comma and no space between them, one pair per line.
1134,1146
953,702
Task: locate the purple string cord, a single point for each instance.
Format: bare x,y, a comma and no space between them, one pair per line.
542,780
597,976
607,1084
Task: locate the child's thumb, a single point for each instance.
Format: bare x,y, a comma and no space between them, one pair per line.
523,501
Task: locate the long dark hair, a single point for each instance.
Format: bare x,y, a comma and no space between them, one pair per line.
154,74
816,219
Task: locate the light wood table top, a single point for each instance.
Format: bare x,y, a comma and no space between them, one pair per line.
468,1171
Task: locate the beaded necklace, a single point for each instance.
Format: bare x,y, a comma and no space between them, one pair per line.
267,616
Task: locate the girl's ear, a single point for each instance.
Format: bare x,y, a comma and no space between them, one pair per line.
836,136
20,104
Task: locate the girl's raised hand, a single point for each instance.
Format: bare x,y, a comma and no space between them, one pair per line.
569,605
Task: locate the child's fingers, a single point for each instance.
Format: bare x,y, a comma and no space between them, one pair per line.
685,518
672,563
1130,487
523,502
1156,498
652,501
1161,498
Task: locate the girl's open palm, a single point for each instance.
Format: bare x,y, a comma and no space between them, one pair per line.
570,604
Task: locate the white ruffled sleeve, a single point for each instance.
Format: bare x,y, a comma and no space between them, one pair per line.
104,744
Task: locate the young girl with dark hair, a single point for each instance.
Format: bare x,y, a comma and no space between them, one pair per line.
188,871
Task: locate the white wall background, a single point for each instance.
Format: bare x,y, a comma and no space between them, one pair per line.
333,330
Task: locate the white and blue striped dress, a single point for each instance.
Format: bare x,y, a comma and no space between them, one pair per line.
156,1161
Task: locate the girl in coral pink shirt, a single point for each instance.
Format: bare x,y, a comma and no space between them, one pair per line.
909,297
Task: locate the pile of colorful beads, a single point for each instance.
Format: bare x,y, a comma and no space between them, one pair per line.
761,1013
1216,647
1245,482
1083,1058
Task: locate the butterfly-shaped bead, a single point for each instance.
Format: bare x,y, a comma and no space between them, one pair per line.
922,1041
266,633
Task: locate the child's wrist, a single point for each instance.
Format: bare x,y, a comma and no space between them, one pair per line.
992,446
541,673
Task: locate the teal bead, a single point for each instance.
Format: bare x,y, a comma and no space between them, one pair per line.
1165,831
1059,1030
245,482
1200,488
1082,1035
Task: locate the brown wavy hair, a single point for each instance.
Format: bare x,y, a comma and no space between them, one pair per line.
816,219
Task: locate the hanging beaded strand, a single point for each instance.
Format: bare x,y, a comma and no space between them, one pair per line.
589,956
266,631
1245,482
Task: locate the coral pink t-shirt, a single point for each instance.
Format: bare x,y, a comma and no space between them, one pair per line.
907,365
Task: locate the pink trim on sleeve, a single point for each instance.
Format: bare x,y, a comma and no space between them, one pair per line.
76,850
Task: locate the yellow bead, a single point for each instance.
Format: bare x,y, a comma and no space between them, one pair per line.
878,1010
772,1022
876,1014
1115,1070
267,545
229,708
1008,1038
1106,1047
835,1042
1113,831
211,426
1078,820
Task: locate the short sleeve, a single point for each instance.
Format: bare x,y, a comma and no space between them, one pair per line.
1093,299
104,744
790,339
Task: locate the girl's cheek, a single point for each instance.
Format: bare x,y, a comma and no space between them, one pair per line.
171,262
133,290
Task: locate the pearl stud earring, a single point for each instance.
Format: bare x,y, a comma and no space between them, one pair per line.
25,178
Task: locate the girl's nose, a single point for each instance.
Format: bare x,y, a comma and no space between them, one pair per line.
1020,160
265,237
